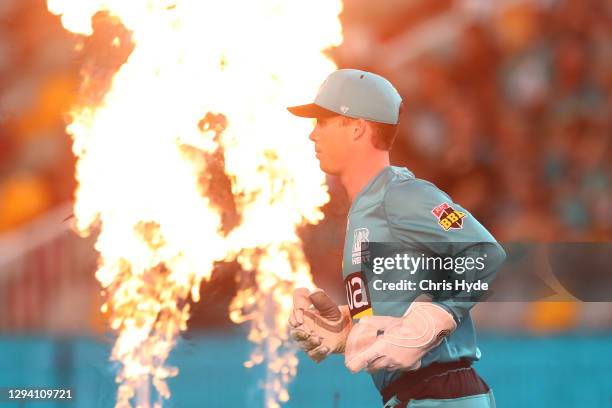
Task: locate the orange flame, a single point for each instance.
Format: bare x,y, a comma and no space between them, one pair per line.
159,233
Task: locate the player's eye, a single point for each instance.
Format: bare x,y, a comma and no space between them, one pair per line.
321,122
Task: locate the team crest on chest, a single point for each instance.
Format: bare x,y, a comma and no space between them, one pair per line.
448,217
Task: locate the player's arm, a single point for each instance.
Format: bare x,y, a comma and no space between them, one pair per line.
384,342
318,325
411,213
398,343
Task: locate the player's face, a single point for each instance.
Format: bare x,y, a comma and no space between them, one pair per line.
332,140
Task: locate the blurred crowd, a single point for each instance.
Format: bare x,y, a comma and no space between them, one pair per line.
512,116
38,81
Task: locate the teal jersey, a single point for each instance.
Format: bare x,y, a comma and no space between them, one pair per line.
395,207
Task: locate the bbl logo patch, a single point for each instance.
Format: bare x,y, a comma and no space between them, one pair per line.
448,217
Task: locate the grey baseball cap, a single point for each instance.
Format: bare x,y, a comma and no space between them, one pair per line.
355,94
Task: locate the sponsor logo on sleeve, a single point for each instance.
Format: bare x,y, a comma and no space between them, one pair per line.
357,295
448,217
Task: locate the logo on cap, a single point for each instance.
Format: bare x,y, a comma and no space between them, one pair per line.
344,108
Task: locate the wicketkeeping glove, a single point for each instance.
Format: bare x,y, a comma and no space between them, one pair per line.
397,343
318,324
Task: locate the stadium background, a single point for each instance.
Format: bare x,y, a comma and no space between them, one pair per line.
508,109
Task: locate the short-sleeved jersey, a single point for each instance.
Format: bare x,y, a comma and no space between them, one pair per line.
396,207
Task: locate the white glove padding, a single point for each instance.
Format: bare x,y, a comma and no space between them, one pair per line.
397,343
318,324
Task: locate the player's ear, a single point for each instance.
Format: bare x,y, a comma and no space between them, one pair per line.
359,127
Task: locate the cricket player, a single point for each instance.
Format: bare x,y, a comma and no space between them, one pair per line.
419,351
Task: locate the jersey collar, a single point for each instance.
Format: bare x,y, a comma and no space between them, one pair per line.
379,181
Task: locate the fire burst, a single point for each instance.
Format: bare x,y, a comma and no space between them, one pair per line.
144,150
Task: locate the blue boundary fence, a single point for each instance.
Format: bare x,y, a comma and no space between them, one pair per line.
571,370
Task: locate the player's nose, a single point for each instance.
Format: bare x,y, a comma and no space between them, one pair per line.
313,135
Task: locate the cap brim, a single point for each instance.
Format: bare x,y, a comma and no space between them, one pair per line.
311,110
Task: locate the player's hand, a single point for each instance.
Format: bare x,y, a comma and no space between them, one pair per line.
392,343
318,324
